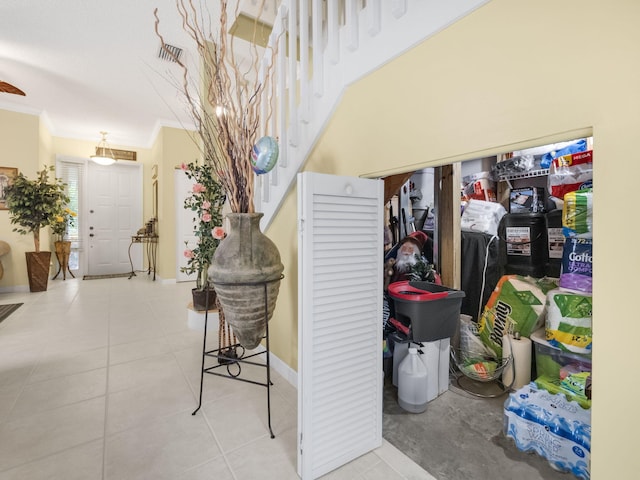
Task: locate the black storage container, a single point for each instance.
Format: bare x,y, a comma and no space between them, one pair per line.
555,242
432,311
524,236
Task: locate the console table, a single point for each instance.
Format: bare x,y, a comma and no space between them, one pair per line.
150,242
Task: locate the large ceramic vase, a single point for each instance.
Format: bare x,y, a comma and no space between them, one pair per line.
38,270
246,262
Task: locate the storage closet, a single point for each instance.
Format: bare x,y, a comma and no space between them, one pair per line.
515,261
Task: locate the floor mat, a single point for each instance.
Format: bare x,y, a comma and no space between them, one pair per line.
111,275
6,310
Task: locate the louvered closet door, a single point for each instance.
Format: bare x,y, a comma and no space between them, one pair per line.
340,252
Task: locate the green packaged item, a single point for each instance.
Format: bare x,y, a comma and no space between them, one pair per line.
560,371
553,385
577,214
518,301
568,323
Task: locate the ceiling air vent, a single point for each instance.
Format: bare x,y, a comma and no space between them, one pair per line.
170,53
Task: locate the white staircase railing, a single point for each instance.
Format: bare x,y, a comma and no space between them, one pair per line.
322,47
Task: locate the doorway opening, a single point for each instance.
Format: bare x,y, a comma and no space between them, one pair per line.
108,203
461,435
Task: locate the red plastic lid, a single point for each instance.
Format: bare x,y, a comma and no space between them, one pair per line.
404,291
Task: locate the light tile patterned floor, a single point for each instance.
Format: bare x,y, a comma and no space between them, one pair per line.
98,379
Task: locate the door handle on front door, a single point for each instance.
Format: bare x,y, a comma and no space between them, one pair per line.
91,234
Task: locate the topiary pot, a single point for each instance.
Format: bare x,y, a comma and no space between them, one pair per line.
38,270
200,302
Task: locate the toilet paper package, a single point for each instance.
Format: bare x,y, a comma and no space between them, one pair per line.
577,264
568,321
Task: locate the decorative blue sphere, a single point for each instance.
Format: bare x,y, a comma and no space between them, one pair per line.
264,155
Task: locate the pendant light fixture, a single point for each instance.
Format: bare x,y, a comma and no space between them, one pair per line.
104,155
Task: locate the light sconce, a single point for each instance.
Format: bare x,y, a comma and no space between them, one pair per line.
104,155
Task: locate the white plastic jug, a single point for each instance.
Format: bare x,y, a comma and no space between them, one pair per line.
412,383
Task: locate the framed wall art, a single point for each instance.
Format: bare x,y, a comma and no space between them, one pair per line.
6,179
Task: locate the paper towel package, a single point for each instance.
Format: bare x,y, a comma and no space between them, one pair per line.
577,214
518,299
568,324
551,426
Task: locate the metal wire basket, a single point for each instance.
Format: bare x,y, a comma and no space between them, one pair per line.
477,370
481,368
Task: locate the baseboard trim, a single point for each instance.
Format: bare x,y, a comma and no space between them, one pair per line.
288,373
14,289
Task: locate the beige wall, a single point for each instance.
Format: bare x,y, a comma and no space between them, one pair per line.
512,74
21,143
171,148
29,145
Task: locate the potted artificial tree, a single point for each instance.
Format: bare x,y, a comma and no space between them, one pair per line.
33,204
206,201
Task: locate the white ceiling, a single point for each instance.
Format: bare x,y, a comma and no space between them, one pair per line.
90,65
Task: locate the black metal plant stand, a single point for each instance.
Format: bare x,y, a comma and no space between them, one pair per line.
229,358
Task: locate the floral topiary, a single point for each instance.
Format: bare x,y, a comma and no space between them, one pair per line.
61,223
33,204
206,200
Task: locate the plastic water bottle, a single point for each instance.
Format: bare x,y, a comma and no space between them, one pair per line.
412,383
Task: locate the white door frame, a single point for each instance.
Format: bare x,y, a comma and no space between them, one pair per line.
136,255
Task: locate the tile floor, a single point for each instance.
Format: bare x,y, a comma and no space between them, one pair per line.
98,379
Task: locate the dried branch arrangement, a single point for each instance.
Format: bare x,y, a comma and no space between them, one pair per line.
225,100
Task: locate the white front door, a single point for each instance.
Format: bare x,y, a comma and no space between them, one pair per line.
340,377
114,215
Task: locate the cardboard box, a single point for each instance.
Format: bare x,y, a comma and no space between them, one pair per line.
526,200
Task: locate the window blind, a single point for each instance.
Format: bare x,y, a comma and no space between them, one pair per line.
71,173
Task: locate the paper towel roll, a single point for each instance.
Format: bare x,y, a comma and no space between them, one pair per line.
520,348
